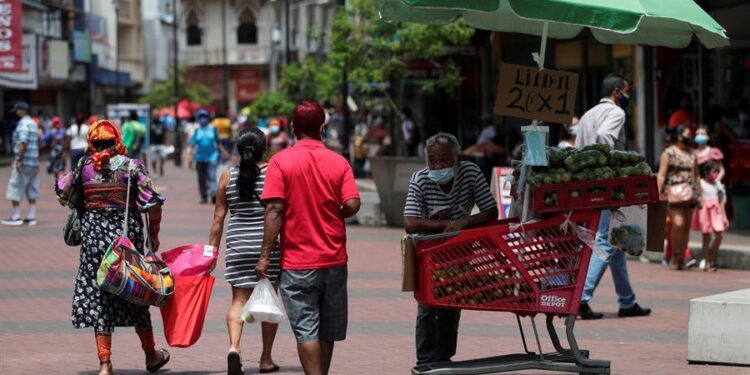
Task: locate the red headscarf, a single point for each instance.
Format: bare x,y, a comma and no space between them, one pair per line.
104,130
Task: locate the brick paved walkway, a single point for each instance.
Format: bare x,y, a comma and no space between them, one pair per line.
36,281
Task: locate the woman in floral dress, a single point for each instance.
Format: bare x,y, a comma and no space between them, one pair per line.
104,180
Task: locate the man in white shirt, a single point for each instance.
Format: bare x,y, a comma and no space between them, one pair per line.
605,124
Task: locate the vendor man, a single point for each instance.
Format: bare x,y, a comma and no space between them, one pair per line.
440,199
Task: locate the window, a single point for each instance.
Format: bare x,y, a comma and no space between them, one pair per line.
247,33
194,32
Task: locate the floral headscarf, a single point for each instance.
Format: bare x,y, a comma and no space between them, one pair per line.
104,130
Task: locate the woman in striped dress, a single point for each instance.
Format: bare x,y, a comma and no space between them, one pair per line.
240,188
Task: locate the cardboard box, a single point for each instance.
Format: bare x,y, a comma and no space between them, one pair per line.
657,225
408,260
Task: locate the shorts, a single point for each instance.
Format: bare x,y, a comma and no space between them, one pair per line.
158,152
23,184
316,303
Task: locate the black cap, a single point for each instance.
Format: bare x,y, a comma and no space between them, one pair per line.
21,106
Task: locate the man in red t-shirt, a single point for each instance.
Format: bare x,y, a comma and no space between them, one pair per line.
309,191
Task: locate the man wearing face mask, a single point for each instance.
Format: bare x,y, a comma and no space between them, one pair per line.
605,124
205,146
440,199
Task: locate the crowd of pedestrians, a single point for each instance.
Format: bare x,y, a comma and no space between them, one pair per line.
277,231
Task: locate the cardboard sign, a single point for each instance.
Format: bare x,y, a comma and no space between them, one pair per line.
525,92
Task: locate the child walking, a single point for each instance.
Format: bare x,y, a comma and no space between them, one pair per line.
711,218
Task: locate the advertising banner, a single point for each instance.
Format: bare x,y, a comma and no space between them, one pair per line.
11,36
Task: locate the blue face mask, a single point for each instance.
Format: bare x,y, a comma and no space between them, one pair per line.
274,129
203,121
574,130
441,176
701,139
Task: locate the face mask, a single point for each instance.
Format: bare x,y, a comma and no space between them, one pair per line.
624,101
203,121
441,176
686,140
275,129
574,130
701,139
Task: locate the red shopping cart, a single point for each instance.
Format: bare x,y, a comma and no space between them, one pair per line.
529,269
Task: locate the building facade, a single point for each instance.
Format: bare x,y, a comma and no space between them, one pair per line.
236,47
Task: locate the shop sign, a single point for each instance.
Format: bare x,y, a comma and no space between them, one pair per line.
26,78
547,95
11,36
247,83
81,47
54,59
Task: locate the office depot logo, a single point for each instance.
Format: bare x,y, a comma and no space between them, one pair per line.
557,301
553,301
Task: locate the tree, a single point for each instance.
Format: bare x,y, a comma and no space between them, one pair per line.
270,105
162,93
377,54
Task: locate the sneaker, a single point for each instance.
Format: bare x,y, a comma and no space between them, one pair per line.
702,264
586,313
634,311
29,222
665,263
12,222
691,263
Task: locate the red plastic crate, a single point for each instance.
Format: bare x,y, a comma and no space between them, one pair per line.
584,195
537,268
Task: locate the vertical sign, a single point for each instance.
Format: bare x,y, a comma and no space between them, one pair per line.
501,187
547,95
247,84
11,37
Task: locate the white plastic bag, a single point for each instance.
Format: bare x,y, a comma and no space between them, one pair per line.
263,305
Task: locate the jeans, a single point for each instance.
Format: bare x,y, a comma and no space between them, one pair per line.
437,333
206,178
616,262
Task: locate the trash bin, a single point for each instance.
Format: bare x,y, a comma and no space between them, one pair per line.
391,175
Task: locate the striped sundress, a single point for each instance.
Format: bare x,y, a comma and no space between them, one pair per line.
245,235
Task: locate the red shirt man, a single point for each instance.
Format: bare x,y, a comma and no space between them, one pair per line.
309,191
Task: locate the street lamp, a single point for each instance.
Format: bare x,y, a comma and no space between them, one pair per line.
176,87
116,4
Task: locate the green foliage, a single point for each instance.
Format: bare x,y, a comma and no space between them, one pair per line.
376,54
162,93
271,104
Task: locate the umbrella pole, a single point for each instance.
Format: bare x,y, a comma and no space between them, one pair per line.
539,56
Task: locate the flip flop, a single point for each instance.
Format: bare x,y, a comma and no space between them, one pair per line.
234,364
164,360
270,369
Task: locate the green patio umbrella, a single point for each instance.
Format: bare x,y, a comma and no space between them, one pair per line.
669,23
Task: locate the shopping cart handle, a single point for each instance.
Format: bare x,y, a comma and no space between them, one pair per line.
437,236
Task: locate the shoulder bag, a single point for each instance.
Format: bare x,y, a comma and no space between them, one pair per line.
138,279
72,229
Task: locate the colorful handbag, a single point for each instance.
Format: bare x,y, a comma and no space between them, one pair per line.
141,280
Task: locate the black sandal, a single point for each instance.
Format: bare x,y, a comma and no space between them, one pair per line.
234,364
164,360
270,369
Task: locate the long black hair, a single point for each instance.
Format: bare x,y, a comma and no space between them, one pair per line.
251,146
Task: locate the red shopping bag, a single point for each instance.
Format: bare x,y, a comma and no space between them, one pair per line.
184,314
